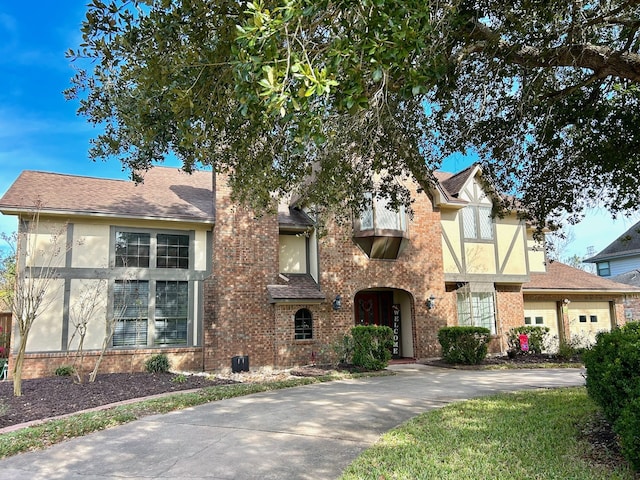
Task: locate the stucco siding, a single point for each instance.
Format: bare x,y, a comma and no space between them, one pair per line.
46,332
511,247
90,247
480,258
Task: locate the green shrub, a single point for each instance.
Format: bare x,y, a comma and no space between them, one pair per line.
64,371
180,378
613,369
466,345
628,428
343,349
537,339
157,364
371,346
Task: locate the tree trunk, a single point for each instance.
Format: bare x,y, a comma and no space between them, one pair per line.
17,367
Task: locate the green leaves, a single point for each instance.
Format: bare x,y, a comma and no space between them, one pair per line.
272,90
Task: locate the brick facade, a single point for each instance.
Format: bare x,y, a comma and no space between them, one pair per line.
239,320
38,365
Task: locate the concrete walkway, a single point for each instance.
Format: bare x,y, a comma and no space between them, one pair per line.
311,432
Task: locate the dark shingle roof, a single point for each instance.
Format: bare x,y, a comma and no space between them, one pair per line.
629,278
626,244
454,183
166,194
295,287
292,218
561,277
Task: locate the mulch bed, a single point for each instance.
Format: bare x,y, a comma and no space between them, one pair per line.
519,361
52,396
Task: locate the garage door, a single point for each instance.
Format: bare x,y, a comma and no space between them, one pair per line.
542,314
588,318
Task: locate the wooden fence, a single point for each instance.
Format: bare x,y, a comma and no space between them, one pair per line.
5,334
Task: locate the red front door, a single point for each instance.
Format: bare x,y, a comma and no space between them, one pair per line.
374,308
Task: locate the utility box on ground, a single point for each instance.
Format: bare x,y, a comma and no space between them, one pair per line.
240,363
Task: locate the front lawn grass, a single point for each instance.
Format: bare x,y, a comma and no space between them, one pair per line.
532,434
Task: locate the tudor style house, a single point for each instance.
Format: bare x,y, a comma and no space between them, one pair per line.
177,267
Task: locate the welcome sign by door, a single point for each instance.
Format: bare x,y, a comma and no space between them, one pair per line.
395,350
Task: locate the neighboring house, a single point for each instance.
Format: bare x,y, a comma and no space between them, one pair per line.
620,256
190,273
620,262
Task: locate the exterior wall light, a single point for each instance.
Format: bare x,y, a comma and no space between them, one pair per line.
431,302
566,301
337,302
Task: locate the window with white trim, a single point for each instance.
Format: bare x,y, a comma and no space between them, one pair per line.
476,309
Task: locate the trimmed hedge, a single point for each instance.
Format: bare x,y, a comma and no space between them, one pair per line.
613,381
537,337
372,346
466,345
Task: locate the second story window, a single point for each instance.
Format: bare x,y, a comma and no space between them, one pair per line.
380,216
477,222
604,269
151,250
133,249
380,230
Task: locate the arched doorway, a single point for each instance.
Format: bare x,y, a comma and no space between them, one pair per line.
391,308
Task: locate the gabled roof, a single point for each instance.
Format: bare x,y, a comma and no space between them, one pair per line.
625,245
295,288
453,183
166,194
563,278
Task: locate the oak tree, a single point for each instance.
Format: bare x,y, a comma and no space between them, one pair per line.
329,100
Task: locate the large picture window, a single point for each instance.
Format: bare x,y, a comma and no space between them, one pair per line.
476,309
152,307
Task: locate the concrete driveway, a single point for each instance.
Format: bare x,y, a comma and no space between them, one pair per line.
311,432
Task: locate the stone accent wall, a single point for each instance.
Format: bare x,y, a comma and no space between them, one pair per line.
38,365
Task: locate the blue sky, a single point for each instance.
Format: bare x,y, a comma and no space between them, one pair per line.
39,129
